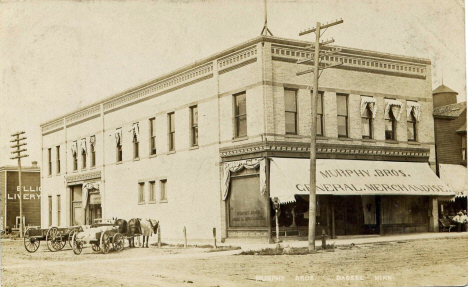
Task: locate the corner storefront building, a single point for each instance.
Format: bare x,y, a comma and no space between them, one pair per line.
207,145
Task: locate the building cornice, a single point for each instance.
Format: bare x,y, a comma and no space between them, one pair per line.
23,168
325,150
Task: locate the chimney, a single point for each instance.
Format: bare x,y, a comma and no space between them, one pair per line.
34,164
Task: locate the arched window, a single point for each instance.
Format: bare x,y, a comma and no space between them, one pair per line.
411,127
390,126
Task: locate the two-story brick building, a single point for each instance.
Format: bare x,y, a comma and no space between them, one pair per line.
207,145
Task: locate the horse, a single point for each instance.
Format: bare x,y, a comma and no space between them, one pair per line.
133,228
148,227
122,224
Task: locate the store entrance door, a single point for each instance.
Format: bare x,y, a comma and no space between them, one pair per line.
348,215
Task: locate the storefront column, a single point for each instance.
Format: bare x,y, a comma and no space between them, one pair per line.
433,215
381,215
267,168
333,219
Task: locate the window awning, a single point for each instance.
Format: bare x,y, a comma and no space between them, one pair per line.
454,176
289,176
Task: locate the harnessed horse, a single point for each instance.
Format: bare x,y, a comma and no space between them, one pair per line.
133,229
148,227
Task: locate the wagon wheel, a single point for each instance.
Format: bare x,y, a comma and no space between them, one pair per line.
30,243
70,236
54,239
119,242
105,242
77,245
96,247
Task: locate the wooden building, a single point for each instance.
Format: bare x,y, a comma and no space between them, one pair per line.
31,185
450,140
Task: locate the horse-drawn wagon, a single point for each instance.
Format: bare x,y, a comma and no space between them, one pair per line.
101,235
107,233
55,237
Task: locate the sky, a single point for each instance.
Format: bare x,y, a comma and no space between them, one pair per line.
59,56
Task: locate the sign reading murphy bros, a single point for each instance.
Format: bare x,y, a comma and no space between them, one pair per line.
354,177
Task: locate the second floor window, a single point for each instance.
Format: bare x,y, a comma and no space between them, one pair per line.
171,129
83,153
413,111
390,126
118,140
194,126
342,114
135,140
75,155
366,123
240,115
57,148
368,105
92,144
392,116
320,114
411,127
152,123
290,111
50,160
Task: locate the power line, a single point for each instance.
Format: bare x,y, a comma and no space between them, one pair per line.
318,56
16,150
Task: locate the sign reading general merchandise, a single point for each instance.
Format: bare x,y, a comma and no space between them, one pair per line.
355,177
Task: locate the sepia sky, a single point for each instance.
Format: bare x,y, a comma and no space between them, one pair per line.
59,56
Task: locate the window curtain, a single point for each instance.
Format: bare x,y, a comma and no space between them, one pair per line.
92,141
74,148
118,137
86,188
83,146
413,107
371,102
136,131
395,106
236,166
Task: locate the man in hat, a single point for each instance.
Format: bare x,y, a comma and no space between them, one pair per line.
465,220
458,220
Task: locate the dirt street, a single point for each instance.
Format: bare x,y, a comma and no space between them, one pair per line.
428,262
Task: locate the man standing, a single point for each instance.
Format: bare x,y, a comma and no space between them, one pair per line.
458,220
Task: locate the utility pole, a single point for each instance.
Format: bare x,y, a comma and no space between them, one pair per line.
17,150
318,56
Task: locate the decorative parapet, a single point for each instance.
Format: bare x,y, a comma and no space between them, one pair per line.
55,125
84,176
84,114
354,62
178,80
238,59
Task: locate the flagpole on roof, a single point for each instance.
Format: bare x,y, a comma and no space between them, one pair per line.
265,30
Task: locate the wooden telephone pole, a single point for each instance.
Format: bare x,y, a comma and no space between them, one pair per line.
318,56
17,140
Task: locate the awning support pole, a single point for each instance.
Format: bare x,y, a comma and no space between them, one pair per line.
269,220
333,218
